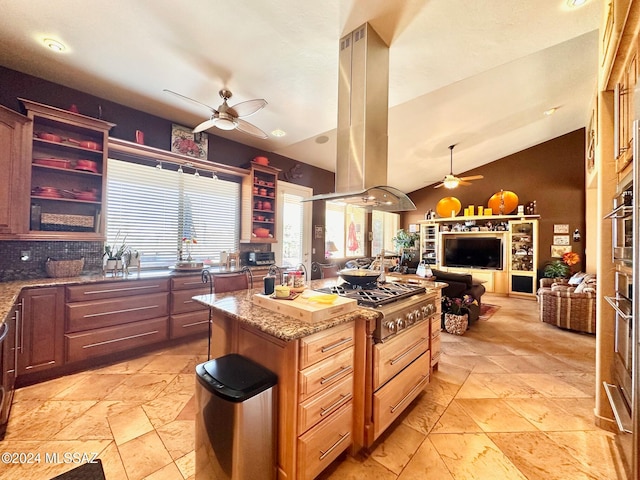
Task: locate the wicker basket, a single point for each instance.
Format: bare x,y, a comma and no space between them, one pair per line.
64,268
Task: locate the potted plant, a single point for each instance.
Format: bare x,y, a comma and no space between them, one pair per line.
114,253
556,269
456,313
405,243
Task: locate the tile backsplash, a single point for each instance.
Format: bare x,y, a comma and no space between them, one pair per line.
13,267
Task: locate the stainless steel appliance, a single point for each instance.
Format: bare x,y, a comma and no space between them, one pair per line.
260,258
624,392
398,350
401,305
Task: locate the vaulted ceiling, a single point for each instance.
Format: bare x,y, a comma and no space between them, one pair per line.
477,74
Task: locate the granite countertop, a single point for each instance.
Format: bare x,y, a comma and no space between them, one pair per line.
10,291
240,306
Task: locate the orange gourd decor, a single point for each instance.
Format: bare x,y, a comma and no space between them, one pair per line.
503,202
447,205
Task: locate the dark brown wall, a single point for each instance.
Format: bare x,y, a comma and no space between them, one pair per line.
157,133
551,173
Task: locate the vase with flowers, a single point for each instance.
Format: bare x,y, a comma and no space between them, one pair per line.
188,241
456,313
561,269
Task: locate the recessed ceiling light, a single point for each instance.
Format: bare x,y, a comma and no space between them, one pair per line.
576,3
278,133
551,111
54,45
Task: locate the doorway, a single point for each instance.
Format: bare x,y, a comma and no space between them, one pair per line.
294,227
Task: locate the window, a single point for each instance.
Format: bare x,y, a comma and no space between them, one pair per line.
345,230
385,225
156,208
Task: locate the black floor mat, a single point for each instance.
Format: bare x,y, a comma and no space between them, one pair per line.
86,471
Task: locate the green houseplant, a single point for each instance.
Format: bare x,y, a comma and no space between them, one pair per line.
404,240
556,269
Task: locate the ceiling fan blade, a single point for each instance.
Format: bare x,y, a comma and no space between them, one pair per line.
439,185
463,183
472,177
206,125
190,100
244,109
246,127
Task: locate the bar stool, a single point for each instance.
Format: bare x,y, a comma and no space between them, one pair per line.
234,258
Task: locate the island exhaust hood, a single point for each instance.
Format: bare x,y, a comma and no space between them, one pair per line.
363,108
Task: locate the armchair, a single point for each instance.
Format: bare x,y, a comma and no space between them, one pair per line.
567,306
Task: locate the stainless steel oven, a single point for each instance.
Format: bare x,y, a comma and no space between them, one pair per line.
622,227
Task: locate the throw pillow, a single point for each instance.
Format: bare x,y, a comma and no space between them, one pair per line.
577,278
588,284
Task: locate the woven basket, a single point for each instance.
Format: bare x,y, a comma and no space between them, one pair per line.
64,268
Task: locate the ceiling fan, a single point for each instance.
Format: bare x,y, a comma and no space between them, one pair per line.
229,118
451,181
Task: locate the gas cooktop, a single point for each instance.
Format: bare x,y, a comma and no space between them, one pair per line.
375,294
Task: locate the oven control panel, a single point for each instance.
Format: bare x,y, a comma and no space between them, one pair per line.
405,315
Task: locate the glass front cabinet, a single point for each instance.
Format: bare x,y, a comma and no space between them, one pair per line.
429,243
522,254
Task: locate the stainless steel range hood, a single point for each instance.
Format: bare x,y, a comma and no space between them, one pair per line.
363,108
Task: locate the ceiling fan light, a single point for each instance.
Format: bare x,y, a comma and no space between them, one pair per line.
451,183
225,124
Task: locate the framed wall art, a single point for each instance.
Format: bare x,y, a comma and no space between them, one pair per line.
185,142
558,250
561,240
561,228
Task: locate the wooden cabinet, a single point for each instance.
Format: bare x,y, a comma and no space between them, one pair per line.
325,386
7,364
68,157
624,115
109,317
40,329
14,183
259,197
436,329
429,243
188,317
523,257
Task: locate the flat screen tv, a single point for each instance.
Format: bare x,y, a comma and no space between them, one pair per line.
473,252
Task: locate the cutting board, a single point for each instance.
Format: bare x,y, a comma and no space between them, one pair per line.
302,309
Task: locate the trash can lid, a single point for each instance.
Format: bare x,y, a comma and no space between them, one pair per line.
234,377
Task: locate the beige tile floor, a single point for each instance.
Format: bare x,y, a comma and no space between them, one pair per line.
513,399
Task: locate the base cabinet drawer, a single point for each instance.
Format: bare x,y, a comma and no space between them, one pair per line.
322,345
391,357
393,398
321,406
104,341
324,374
103,313
182,302
322,444
115,289
187,282
185,324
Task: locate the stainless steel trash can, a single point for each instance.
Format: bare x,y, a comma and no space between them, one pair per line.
235,424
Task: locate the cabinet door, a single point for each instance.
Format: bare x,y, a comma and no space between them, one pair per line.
40,329
14,183
259,197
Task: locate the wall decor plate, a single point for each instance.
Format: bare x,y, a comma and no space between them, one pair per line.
503,202
447,205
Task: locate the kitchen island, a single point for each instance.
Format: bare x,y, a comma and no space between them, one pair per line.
336,388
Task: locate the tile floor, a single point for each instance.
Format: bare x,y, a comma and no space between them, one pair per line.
512,399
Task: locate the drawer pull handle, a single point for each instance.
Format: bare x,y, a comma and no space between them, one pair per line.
120,311
334,446
331,377
404,399
120,339
622,417
194,324
337,344
408,351
342,400
192,283
112,290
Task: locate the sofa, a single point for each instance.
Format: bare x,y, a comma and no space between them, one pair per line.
459,285
569,304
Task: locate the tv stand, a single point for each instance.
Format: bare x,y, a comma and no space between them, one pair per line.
519,235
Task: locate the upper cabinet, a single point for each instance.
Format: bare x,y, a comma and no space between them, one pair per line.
68,156
14,181
259,197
